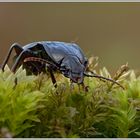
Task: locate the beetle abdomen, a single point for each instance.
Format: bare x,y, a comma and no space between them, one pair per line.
59,50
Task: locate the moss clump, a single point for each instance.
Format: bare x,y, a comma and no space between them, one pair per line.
30,106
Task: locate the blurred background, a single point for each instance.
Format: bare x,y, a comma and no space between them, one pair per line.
110,31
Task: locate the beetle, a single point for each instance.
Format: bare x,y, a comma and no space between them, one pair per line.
68,58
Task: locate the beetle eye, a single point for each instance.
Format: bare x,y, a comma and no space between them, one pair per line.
63,68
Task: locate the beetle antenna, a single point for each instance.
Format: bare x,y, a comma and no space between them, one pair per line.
104,78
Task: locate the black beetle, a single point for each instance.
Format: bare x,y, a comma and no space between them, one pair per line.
68,58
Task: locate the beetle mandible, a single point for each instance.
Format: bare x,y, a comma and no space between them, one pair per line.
68,58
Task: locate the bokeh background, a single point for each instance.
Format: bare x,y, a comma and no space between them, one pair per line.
110,31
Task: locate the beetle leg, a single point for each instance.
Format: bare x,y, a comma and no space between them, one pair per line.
19,60
52,78
18,50
71,85
85,88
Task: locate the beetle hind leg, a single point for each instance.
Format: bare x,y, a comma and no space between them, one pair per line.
18,49
19,60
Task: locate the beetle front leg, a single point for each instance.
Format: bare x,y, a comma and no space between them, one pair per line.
85,88
18,50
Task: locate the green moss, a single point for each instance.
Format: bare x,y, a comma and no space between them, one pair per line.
30,106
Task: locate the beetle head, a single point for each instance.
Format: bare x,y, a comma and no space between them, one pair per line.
72,68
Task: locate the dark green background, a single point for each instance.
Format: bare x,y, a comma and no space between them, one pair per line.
110,31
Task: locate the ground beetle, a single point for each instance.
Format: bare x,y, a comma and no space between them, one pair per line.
68,58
